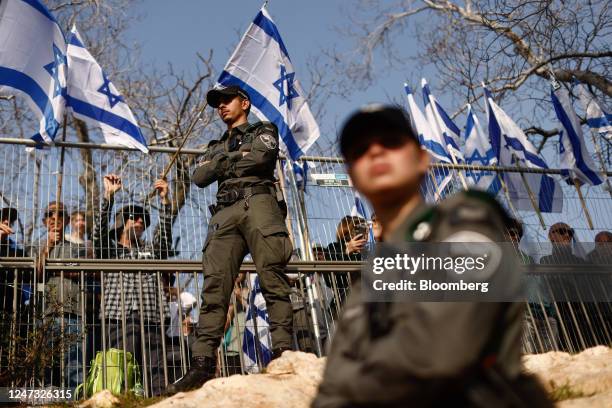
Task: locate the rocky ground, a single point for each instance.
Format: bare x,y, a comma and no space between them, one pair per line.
581,380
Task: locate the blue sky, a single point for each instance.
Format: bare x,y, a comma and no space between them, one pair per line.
175,31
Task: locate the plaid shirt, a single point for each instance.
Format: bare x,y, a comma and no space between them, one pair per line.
107,247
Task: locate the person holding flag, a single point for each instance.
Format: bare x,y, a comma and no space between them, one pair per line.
246,219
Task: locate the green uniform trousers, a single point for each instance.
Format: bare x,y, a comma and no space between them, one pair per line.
233,232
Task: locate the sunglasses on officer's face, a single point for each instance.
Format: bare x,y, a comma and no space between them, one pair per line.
361,145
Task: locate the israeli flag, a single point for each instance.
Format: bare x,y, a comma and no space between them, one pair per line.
431,142
261,66
300,173
575,157
93,98
256,317
478,151
597,118
512,148
441,123
33,61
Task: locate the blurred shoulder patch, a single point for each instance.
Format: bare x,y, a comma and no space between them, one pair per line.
269,141
467,236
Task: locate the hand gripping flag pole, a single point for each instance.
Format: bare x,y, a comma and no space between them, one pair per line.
178,151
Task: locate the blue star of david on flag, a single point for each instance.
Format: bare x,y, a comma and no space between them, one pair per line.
279,84
53,69
476,157
105,89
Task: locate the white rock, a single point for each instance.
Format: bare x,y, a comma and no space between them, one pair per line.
102,399
588,372
290,381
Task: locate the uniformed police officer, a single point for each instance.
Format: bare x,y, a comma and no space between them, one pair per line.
246,218
421,354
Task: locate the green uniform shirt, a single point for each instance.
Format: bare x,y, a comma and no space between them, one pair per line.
427,347
225,162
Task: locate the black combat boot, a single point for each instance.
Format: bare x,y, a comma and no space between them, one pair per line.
202,369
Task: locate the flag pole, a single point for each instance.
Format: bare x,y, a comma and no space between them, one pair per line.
450,151
529,192
602,163
178,151
60,175
437,187
582,202
507,192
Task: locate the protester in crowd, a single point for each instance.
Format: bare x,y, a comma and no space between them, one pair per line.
351,241
540,331
574,317
63,294
561,237
602,253
377,231
134,296
78,231
319,252
9,248
515,235
14,293
408,353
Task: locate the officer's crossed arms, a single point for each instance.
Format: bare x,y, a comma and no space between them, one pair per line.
232,160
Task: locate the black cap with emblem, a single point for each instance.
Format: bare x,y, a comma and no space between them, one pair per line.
389,125
213,97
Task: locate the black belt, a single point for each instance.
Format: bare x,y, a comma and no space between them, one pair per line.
228,197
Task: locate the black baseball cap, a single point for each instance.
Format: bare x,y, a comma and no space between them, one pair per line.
388,124
214,95
9,213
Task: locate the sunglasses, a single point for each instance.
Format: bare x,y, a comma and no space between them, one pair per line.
50,214
563,231
361,145
135,217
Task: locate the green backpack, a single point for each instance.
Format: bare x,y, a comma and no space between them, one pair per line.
115,376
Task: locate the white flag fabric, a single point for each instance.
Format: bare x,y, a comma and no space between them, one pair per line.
574,156
431,142
441,123
429,139
94,99
33,61
478,151
598,120
261,66
256,342
512,148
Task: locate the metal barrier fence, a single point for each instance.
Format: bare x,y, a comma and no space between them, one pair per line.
53,336
46,345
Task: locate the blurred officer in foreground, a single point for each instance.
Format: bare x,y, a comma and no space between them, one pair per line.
421,354
248,218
